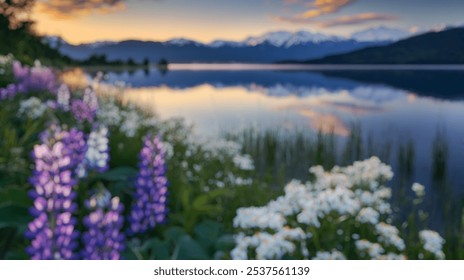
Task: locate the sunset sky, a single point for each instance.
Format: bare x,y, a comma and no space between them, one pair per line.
80,21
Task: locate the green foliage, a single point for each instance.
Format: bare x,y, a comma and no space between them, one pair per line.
208,241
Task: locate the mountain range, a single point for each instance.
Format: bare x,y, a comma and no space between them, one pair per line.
441,47
267,48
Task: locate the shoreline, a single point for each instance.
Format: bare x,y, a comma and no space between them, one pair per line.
325,67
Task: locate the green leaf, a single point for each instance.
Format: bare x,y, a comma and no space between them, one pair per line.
14,216
14,197
17,255
124,173
120,188
189,249
185,197
207,232
174,234
225,243
205,199
157,249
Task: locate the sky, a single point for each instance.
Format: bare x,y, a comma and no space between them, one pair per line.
79,21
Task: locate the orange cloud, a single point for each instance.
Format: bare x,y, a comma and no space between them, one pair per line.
316,8
357,19
73,8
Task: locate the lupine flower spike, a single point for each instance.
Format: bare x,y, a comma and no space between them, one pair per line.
103,238
52,232
150,205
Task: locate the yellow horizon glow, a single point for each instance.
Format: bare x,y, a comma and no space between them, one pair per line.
126,24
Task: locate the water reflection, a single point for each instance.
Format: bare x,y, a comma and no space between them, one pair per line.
391,106
410,119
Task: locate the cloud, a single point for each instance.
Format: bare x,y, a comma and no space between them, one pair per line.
357,19
314,9
74,8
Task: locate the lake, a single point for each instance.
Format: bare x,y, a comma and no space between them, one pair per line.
412,117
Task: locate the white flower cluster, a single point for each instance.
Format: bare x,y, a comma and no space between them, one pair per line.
268,246
219,148
390,235
168,149
109,113
32,108
333,255
258,217
63,96
368,215
6,59
244,162
131,121
374,250
97,155
351,199
433,243
418,189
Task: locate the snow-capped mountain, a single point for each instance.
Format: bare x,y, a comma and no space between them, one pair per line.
265,48
279,39
380,33
225,43
99,44
180,42
288,39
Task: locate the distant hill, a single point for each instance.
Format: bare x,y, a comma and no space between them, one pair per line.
269,47
444,47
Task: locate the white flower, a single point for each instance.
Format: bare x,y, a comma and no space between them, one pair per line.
109,113
258,217
6,59
390,235
168,149
368,215
97,155
150,122
391,256
130,122
333,255
244,162
63,95
268,246
373,249
344,196
309,216
433,242
32,108
418,189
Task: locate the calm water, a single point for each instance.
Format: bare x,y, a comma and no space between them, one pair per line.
422,108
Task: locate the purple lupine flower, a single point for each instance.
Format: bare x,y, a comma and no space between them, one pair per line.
11,91
85,109
52,232
19,71
103,238
37,78
150,205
